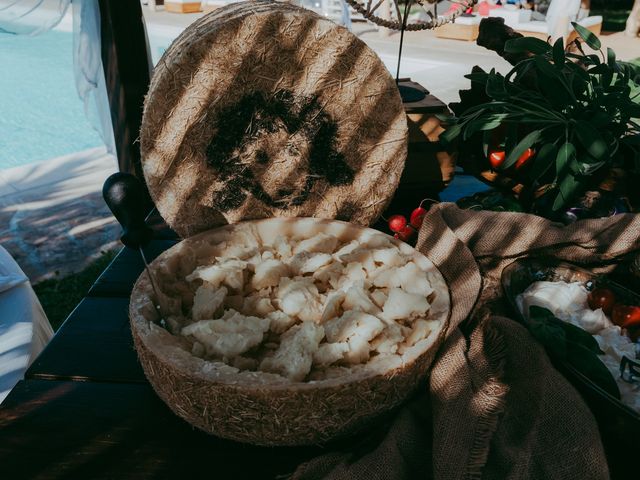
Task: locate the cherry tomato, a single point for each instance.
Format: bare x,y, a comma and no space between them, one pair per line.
417,217
602,298
405,234
626,316
524,158
496,159
397,223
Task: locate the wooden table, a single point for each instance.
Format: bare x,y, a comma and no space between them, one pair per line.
97,429
85,409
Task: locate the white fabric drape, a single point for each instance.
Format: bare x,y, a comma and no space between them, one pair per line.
32,17
89,74
24,327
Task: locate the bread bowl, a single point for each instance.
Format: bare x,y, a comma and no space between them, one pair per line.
263,110
261,407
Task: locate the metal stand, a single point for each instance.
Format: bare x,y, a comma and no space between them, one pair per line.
408,94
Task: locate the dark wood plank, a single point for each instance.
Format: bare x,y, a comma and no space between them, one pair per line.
93,344
86,430
429,104
127,72
118,278
52,430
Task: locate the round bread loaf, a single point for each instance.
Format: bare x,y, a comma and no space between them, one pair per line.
263,109
260,407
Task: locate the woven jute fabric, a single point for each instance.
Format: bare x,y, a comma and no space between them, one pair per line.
494,408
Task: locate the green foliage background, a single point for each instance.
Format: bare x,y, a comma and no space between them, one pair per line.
578,108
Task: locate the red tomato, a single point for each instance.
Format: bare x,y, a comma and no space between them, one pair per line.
602,298
405,234
524,158
417,216
626,316
397,223
496,158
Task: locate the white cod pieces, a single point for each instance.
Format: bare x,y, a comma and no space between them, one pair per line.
309,308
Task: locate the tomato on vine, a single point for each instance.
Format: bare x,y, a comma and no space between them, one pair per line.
602,298
397,223
496,158
626,316
524,158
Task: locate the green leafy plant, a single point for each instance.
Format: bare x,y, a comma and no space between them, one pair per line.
577,109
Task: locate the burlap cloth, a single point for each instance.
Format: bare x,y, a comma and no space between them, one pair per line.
494,406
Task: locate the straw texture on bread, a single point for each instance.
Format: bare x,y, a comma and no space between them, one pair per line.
259,407
263,109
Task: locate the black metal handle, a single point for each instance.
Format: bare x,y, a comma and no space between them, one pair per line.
127,200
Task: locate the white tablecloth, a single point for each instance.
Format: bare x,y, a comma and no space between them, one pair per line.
24,327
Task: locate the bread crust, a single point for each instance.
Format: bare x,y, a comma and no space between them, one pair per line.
265,409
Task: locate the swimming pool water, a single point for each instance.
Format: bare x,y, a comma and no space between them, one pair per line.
41,115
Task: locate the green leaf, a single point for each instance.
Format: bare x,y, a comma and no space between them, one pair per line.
486,140
607,77
600,119
566,155
622,90
450,134
520,70
555,87
630,70
599,69
588,363
578,336
547,68
478,77
580,80
495,86
578,70
568,188
526,44
558,52
591,140
593,59
520,148
488,122
555,92
611,59
550,335
588,36
567,342
445,117
632,140
510,136
633,110
543,160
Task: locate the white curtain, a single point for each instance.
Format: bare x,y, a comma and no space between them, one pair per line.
89,74
32,17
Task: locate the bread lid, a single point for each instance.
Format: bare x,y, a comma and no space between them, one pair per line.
263,109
